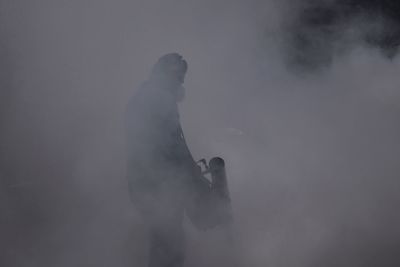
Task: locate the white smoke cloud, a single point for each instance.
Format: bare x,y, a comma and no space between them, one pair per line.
312,160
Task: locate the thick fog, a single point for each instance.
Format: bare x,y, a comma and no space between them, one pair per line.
312,155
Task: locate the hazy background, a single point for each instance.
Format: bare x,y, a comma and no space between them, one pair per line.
312,152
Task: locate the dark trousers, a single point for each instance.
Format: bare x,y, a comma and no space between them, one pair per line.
163,208
167,248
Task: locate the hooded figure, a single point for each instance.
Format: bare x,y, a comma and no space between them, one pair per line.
161,170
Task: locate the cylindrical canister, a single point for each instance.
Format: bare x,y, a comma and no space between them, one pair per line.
219,186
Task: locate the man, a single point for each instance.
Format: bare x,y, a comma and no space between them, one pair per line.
161,169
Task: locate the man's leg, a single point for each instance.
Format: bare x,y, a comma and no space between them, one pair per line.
166,246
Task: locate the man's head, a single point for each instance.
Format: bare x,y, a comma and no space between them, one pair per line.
170,70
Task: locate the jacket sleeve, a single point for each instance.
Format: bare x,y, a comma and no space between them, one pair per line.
178,151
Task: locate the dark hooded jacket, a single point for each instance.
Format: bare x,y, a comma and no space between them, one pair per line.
160,165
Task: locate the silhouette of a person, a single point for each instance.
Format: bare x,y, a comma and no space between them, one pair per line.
161,168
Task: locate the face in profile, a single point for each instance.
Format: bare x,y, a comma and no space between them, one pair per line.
180,93
179,74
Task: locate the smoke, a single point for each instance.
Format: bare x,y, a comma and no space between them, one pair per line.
312,159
